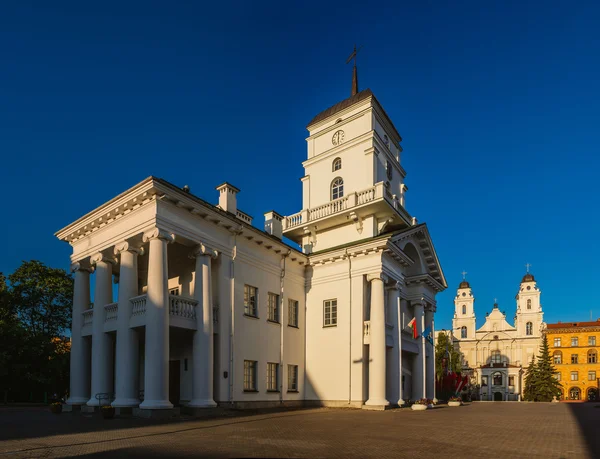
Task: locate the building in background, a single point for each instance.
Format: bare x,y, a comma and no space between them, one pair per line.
497,354
211,309
574,347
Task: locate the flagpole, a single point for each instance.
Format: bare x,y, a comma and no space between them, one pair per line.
435,400
424,357
401,395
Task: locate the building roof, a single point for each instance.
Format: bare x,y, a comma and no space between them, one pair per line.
464,284
574,324
528,278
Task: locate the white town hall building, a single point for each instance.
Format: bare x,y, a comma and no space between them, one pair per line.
212,310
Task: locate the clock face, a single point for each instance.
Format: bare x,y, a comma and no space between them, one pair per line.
338,137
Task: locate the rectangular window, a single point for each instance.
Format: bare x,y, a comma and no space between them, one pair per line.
591,340
574,376
574,358
273,300
484,380
557,376
591,375
292,378
574,342
250,375
511,380
273,377
250,300
330,313
293,313
556,342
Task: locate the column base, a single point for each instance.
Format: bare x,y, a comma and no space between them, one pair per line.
125,402
156,405
435,400
202,403
401,402
377,402
77,400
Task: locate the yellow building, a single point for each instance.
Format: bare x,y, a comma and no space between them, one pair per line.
574,347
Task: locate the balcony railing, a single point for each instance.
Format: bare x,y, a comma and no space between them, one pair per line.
111,312
182,307
138,305
88,317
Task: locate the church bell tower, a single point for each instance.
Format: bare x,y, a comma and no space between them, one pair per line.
463,323
529,317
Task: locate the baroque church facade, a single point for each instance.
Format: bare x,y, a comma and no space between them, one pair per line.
497,354
195,306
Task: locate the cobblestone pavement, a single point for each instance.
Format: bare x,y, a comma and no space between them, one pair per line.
478,430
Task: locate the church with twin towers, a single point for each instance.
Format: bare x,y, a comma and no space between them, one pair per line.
195,304
497,354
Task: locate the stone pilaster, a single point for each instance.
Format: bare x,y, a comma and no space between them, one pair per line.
377,394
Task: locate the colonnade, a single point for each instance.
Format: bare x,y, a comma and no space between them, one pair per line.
156,368
422,365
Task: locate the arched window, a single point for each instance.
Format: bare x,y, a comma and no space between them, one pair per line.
337,164
496,357
337,188
529,329
528,304
574,393
592,356
557,357
497,379
463,332
464,309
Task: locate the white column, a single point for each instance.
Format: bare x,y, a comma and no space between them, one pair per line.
400,328
430,361
202,360
80,347
156,365
395,370
435,400
377,346
418,373
102,352
128,347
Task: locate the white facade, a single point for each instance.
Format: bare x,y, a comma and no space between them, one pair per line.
213,310
498,353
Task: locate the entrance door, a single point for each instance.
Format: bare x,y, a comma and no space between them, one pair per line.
497,396
174,382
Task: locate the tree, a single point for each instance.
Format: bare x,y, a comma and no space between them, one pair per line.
528,391
445,351
545,384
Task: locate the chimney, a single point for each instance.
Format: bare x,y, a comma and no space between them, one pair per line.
274,224
227,197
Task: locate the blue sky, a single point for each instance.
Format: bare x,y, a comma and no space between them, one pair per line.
497,103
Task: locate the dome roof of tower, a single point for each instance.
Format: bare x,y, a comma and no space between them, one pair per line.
464,284
528,278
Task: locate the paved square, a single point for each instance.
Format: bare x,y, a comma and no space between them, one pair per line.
478,430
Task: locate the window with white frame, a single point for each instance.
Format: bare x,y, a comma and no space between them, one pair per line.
592,356
250,300
574,376
463,332
337,164
250,375
273,300
330,313
591,340
337,188
557,357
574,358
557,376
292,313
591,375
272,377
496,357
292,378
529,329
574,341
556,342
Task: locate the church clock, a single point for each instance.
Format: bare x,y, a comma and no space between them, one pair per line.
338,137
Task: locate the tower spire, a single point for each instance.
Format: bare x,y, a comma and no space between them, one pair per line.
354,90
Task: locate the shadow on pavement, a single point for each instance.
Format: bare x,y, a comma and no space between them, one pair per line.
588,418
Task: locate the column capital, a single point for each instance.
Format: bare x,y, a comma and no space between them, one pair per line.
127,247
203,250
377,276
100,257
395,285
158,233
75,267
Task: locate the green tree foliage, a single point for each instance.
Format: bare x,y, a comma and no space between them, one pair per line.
35,314
540,383
444,348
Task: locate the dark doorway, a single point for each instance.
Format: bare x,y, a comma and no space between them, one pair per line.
497,396
174,381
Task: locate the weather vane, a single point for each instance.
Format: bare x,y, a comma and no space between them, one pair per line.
354,90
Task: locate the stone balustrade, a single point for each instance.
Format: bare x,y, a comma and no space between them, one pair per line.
111,312
138,305
182,307
88,317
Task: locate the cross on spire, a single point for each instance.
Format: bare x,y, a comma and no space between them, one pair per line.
527,266
464,273
495,300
